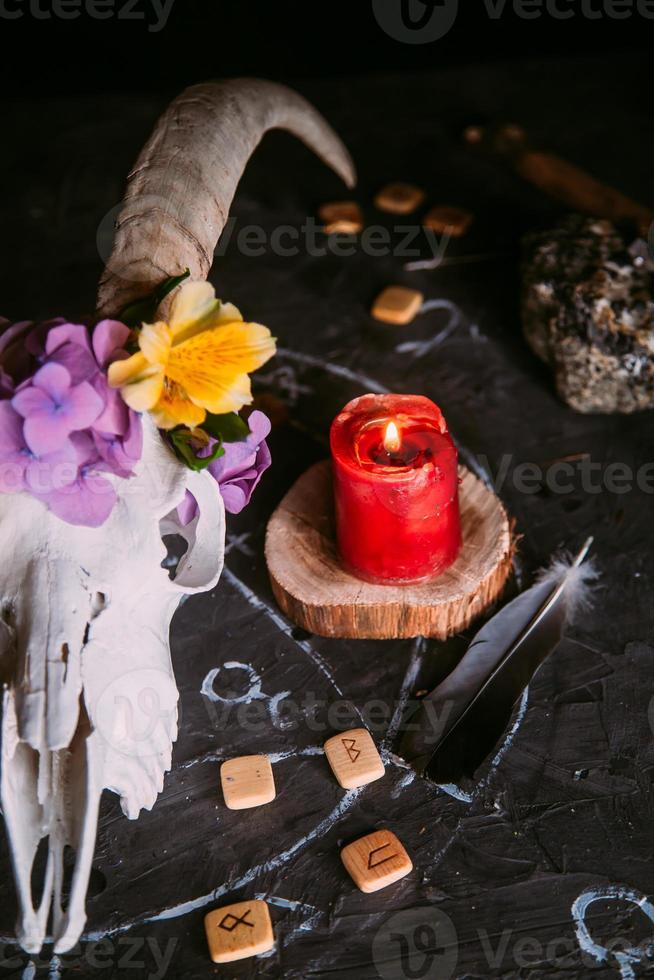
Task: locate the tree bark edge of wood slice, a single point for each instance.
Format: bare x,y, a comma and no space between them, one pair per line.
318,594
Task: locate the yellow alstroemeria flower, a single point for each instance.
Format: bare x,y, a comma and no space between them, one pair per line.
196,363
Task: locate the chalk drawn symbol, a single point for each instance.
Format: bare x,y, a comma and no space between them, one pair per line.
235,921
626,958
351,749
419,348
381,861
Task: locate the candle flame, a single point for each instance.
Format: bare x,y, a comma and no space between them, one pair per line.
392,441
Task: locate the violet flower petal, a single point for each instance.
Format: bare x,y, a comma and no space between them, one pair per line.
12,473
238,471
46,432
69,344
233,462
11,430
85,448
108,339
67,333
112,457
54,379
82,406
52,471
30,400
188,509
246,482
242,455
78,361
72,425
88,502
234,497
133,441
115,417
259,425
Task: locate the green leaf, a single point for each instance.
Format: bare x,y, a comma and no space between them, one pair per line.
168,285
181,440
144,310
229,427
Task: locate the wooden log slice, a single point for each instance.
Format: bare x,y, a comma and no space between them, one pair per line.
317,593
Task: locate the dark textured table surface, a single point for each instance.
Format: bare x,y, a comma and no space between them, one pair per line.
565,807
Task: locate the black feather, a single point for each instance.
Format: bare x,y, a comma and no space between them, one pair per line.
461,721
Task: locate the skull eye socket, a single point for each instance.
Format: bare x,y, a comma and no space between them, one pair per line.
176,547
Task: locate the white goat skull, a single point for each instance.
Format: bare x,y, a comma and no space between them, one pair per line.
85,613
86,616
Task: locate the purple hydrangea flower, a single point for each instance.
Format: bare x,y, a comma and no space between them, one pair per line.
238,471
90,498
56,408
21,468
53,407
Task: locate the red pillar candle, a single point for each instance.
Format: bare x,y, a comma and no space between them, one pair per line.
395,488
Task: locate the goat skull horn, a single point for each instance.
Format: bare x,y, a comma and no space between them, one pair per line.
197,153
85,613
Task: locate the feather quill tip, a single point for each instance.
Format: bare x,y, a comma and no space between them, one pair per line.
580,575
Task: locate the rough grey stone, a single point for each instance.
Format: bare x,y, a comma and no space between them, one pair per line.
588,312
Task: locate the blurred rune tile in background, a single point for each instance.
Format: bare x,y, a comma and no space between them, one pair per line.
342,217
398,305
448,220
399,198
